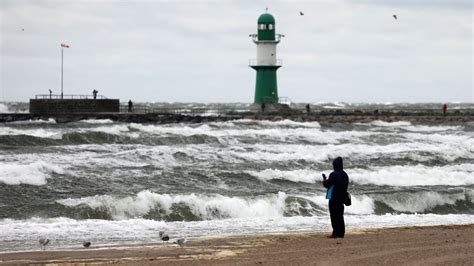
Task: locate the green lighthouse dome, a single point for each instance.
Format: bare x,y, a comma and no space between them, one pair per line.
266,27
266,18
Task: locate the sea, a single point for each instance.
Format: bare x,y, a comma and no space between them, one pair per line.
115,183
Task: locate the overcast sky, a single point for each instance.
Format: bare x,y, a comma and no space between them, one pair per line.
198,51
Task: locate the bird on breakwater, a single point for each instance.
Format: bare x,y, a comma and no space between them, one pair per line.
86,244
180,241
164,237
395,16
43,242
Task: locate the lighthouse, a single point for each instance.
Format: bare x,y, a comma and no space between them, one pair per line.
266,64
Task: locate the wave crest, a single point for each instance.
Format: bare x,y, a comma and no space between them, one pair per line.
32,174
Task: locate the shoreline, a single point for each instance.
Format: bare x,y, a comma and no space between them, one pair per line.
444,244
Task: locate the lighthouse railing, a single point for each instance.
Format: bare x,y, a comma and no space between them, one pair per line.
256,40
261,62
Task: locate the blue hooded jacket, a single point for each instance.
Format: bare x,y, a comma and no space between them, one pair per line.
339,179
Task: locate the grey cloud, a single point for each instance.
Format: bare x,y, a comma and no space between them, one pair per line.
188,51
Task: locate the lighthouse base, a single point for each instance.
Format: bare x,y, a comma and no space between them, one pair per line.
272,108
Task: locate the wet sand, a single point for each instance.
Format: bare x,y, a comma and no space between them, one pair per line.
442,245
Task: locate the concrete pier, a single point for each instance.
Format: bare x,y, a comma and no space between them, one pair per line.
73,106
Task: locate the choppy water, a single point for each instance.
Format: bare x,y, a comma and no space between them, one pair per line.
116,183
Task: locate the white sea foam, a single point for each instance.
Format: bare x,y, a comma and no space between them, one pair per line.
408,126
114,129
37,121
311,132
3,108
318,153
281,123
36,132
302,175
380,123
115,155
397,175
361,204
203,206
97,121
417,175
66,233
33,174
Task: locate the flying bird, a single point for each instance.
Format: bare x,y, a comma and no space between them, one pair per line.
164,237
301,13
86,244
180,241
43,242
394,16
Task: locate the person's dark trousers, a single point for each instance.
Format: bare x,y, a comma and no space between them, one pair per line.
336,210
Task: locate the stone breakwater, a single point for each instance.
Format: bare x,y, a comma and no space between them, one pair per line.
332,116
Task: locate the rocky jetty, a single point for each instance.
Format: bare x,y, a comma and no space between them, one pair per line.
330,116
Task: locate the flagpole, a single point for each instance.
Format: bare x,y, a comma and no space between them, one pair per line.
62,56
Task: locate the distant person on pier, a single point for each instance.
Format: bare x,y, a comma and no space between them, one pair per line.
263,107
337,184
445,109
308,109
94,93
130,106
50,93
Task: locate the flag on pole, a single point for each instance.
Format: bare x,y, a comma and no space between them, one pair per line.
64,45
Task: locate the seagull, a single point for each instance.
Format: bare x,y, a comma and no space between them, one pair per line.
22,29
180,241
164,236
394,16
86,244
301,13
43,242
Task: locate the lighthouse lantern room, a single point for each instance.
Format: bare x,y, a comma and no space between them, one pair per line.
266,63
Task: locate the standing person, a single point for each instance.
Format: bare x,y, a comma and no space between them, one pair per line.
130,106
337,184
308,109
94,93
263,107
445,109
50,93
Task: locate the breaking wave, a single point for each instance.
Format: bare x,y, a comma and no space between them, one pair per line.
417,175
408,126
183,207
32,174
405,176
428,201
195,207
97,121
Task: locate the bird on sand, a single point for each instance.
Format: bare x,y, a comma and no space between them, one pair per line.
164,237
180,241
86,244
43,242
301,13
394,16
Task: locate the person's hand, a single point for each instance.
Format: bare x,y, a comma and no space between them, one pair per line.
324,176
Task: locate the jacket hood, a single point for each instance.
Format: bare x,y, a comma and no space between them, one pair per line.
337,163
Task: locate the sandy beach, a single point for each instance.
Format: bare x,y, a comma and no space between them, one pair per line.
443,245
